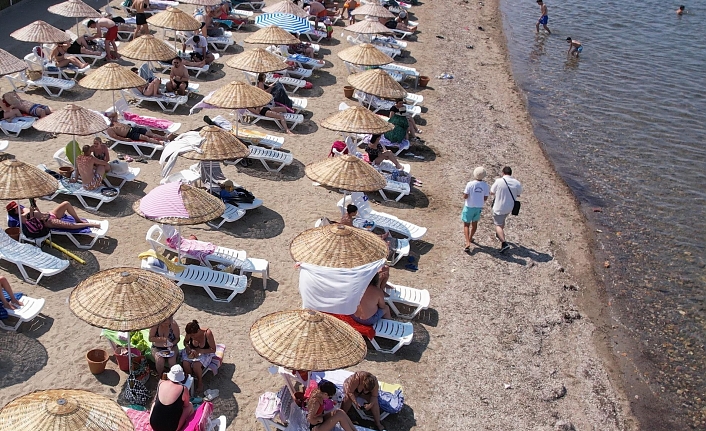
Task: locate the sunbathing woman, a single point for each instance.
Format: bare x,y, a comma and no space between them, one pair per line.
61,58
377,152
152,86
320,420
52,219
273,112
80,46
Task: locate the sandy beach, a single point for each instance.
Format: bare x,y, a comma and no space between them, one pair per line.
512,341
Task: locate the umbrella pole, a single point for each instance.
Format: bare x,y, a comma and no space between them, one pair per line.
19,217
129,353
179,248
112,92
77,31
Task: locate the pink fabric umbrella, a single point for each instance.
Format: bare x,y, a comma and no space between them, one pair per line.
164,201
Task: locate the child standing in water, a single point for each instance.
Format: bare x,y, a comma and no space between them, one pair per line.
544,19
575,47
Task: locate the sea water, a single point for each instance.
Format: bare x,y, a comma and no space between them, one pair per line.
625,126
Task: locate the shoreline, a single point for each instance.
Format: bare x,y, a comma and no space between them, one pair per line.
502,346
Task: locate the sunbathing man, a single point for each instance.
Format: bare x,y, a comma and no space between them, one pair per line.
100,151
11,99
13,303
60,57
52,219
364,385
275,112
121,131
179,77
372,305
90,169
111,33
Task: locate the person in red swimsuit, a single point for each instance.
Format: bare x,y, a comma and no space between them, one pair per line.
318,419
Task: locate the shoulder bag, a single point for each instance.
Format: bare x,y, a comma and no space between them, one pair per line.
516,205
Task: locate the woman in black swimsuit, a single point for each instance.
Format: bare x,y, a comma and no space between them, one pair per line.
275,112
164,337
377,152
171,406
61,59
199,349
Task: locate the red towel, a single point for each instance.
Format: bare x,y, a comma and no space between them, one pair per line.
366,330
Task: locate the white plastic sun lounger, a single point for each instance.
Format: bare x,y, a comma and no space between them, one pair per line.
138,146
16,125
418,299
45,82
384,221
387,41
35,61
269,141
267,156
121,106
248,117
94,234
392,52
376,104
252,5
27,255
168,103
31,307
400,332
77,190
208,279
132,173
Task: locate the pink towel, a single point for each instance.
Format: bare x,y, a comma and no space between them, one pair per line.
191,247
154,123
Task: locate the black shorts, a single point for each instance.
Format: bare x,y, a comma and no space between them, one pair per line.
264,111
135,133
197,55
74,48
140,18
178,83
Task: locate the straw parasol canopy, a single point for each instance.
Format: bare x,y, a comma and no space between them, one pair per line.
365,54
272,35
74,9
72,120
374,10
64,409
147,48
286,6
239,95
218,145
368,26
179,204
257,60
10,64
174,19
40,32
112,76
19,180
337,246
125,299
357,119
378,83
346,172
307,340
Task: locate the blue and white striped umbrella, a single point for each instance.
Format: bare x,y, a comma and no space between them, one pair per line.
285,21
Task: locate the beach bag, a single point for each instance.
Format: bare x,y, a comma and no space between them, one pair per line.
34,228
135,391
240,196
391,24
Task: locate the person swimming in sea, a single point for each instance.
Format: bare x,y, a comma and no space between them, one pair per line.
681,10
544,19
575,47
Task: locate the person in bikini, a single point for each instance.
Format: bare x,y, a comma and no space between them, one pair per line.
81,46
178,77
111,34
52,219
362,384
100,151
275,112
199,350
60,57
121,131
151,88
141,6
13,303
377,153
90,169
164,336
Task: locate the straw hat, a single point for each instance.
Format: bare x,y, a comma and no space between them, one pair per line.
346,172
257,60
286,6
378,83
10,64
272,35
174,19
307,340
74,9
18,180
40,32
374,10
368,26
200,205
356,119
337,246
125,299
64,409
365,54
72,120
147,48
239,95
112,76
218,144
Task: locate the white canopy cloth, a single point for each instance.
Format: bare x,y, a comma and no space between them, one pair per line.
335,290
189,141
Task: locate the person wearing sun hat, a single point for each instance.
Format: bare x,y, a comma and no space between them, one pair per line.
475,194
171,406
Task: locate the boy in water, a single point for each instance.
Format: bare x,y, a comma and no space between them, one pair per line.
681,10
575,47
544,19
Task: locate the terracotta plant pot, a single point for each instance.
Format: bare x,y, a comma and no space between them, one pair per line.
97,358
348,91
423,81
66,171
